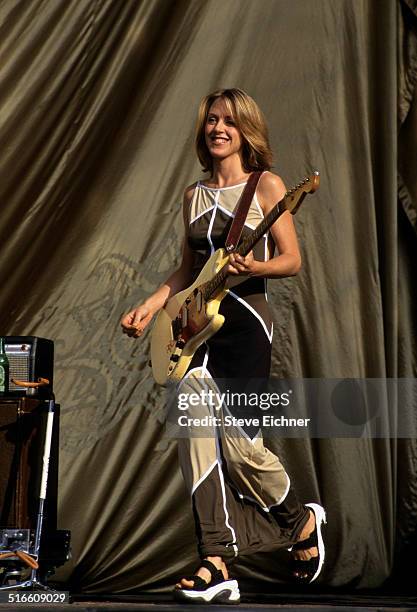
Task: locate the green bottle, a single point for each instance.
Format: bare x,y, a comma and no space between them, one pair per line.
4,368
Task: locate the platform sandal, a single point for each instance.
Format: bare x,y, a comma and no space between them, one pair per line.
218,590
310,569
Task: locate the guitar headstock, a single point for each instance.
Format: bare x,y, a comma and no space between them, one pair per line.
293,197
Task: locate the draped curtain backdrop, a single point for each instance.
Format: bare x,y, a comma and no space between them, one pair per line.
98,104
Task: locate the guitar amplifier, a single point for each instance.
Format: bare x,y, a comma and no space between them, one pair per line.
30,358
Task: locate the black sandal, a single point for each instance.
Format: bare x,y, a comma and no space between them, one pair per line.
311,568
218,590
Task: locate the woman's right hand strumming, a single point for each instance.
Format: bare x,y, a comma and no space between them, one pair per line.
135,321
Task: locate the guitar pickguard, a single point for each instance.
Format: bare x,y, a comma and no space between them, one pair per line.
185,323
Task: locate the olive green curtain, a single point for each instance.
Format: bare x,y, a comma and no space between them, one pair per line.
97,108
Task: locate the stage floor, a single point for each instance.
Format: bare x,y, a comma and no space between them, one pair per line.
284,602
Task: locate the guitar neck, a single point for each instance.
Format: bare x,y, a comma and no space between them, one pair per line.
249,242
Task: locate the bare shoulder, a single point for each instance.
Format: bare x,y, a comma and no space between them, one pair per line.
271,183
271,189
188,196
189,192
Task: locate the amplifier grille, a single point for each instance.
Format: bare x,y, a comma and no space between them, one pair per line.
19,368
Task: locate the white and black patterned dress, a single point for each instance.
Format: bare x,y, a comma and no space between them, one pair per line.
241,494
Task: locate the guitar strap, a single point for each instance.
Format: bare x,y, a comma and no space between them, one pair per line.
235,231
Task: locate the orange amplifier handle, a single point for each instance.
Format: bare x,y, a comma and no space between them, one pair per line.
42,382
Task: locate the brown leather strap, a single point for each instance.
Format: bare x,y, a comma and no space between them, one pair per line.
242,212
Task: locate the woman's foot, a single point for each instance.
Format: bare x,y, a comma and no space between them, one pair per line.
210,584
204,573
308,552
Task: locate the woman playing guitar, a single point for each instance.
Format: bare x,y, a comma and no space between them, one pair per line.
236,483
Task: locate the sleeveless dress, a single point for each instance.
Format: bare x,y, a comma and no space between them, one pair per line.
241,494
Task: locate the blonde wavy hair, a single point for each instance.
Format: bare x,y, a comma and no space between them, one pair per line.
256,150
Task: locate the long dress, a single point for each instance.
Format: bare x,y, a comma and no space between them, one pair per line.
241,494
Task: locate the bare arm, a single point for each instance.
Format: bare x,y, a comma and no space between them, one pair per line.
135,321
271,190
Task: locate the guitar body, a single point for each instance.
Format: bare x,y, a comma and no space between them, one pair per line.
185,323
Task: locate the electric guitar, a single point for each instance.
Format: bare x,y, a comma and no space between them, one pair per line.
191,317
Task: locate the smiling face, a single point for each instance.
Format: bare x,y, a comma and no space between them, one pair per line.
231,123
222,137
